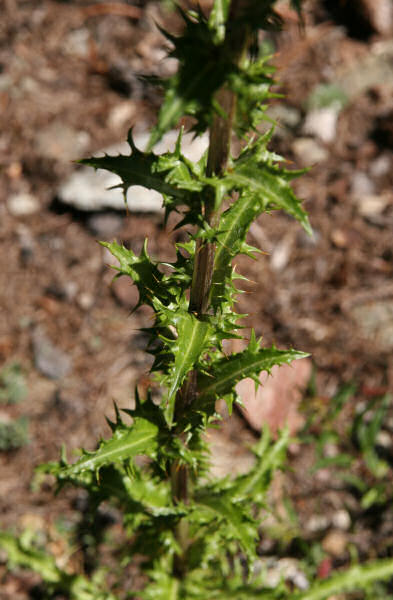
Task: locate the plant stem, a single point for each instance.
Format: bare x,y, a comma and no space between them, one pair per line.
217,160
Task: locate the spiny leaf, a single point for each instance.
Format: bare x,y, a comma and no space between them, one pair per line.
136,169
354,578
190,343
218,18
125,443
76,587
143,271
262,186
163,586
270,457
227,372
255,173
202,68
240,525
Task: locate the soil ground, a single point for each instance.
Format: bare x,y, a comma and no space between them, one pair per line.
68,87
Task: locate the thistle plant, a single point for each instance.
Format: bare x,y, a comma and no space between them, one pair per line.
197,535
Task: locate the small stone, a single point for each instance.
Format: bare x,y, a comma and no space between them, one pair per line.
335,543
322,123
384,439
381,165
361,184
287,569
374,321
281,253
317,523
341,520
6,82
331,450
85,301
308,152
23,204
339,238
371,206
14,170
70,289
77,43
121,114
287,117
48,358
105,225
379,14
26,243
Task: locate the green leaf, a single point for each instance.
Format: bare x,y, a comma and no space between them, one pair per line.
354,578
271,456
26,555
218,18
235,515
221,378
163,587
262,186
38,561
143,271
125,443
139,168
192,335
202,70
12,384
255,173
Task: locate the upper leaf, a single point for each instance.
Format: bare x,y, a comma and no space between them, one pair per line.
136,169
222,376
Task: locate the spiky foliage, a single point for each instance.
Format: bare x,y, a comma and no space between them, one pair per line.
198,535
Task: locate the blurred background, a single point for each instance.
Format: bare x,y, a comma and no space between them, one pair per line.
71,84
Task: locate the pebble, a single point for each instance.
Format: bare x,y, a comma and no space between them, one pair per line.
380,14
371,206
48,358
85,301
121,114
105,225
282,568
361,184
77,43
335,543
317,523
87,189
308,152
322,123
384,439
23,204
374,321
70,290
381,165
281,253
341,519
26,243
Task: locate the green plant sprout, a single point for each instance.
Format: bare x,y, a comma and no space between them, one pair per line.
197,535
12,384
